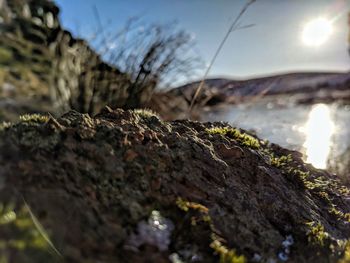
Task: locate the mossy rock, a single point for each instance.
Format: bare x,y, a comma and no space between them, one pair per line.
6,56
126,186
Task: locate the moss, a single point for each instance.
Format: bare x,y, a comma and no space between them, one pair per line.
346,255
3,74
225,254
7,215
281,161
5,125
34,118
186,206
20,234
318,184
146,113
339,214
300,176
316,233
343,190
242,138
6,56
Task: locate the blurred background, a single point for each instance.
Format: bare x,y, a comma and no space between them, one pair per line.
273,45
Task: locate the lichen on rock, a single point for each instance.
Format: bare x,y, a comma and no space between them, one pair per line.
104,184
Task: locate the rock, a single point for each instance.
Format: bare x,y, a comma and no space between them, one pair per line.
125,186
341,166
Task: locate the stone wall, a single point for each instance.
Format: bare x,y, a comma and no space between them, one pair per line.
44,68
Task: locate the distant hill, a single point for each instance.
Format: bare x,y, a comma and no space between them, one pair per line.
326,85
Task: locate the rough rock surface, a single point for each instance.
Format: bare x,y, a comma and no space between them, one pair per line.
341,166
125,186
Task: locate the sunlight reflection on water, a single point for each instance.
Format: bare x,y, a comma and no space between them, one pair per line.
319,130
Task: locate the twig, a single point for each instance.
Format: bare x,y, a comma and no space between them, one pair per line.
100,26
234,26
41,229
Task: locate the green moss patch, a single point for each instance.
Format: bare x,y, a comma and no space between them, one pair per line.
6,56
241,137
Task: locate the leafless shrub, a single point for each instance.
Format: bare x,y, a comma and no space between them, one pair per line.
151,55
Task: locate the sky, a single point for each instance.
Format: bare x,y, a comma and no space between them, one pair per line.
274,45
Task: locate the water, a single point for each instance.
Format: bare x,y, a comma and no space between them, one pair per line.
318,128
320,131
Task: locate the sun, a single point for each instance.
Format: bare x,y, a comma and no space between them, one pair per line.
316,32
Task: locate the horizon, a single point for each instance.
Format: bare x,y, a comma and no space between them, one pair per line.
279,51
273,74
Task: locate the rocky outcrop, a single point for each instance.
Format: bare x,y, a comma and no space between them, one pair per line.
43,68
125,186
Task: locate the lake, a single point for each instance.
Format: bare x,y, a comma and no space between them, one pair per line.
320,131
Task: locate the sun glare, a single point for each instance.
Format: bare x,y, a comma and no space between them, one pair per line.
316,32
319,130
